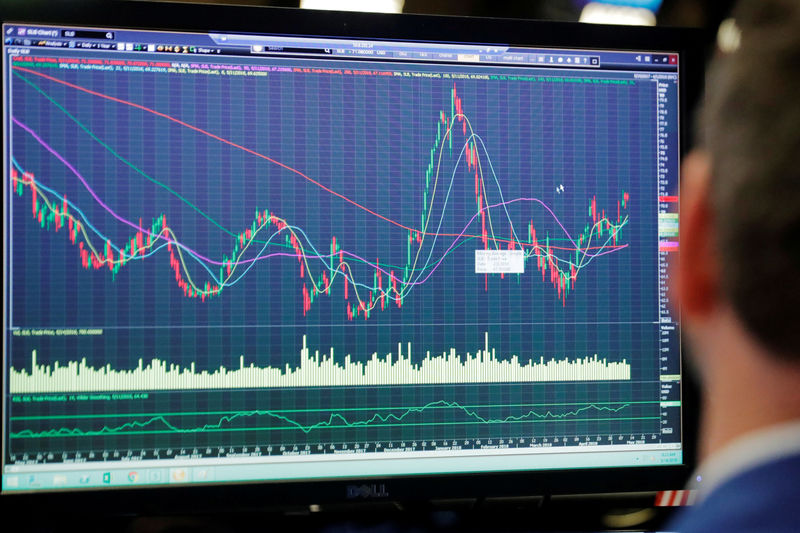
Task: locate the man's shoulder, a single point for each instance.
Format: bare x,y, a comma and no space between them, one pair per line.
763,498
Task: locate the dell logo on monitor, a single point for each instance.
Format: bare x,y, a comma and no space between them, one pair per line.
366,491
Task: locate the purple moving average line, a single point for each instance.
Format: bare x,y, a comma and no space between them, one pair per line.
321,257
97,198
439,262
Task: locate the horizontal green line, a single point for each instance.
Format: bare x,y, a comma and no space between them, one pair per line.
197,413
284,428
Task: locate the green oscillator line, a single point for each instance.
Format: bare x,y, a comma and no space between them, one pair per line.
389,408
376,420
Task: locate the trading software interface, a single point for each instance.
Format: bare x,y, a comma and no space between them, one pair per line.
234,257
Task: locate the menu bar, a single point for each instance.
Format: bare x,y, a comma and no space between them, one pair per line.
277,46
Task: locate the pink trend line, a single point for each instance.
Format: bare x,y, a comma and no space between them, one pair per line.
220,263
257,154
217,137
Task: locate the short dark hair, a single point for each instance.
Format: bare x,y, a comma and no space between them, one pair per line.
750,125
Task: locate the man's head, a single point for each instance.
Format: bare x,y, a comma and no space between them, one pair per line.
739,274
749,175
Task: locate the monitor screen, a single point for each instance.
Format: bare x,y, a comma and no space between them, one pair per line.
272,256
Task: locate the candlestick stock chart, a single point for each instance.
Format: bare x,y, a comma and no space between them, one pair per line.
313,259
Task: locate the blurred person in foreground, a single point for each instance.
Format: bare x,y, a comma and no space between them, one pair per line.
739,278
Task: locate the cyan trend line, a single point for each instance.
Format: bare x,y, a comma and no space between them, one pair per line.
246,261
217,137
226,141
316,254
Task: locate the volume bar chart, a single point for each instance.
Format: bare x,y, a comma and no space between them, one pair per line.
319,371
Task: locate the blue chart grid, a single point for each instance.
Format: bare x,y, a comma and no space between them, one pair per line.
366,187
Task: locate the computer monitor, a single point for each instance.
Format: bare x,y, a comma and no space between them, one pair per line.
330,255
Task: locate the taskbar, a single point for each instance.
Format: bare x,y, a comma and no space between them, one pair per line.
140,474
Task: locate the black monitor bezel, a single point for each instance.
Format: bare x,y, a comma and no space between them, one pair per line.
689,43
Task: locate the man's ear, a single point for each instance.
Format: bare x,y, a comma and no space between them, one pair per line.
698,271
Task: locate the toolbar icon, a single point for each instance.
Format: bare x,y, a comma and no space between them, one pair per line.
177,475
